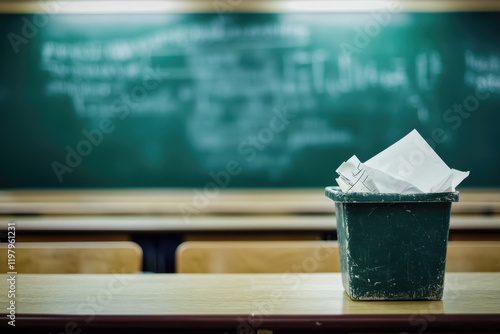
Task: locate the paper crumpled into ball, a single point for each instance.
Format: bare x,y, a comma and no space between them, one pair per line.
409,166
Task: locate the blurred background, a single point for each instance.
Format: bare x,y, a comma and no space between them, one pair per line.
125,96
182,101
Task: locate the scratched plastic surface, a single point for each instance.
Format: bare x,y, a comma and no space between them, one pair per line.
392,246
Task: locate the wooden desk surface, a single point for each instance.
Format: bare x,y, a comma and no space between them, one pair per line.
143,223
177,201
271,301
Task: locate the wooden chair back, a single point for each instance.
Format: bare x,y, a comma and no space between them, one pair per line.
73,257
309,256
473,256
257,256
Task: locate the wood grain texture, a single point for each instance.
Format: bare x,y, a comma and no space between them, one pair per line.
228,201
194,303
74,257
36,236
242,294
314,256
209,223
473,256
257,256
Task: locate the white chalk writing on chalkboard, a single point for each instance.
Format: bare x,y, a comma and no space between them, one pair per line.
235,75
482,71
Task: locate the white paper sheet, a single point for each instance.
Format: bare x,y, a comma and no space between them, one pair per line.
408,166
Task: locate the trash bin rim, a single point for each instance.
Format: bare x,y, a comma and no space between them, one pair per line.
337,195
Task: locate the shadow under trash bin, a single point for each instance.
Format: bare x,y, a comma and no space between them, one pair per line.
392,246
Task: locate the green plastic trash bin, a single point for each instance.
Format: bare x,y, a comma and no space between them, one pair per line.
392,246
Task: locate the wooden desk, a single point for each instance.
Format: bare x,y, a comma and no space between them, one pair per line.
265,214
177,201
226,302
221,223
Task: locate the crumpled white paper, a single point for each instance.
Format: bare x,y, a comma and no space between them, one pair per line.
409,166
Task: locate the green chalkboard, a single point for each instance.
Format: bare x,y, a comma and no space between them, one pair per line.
270,100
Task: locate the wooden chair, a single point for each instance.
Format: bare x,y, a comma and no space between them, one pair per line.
257,256
473,256
74,257
309,256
